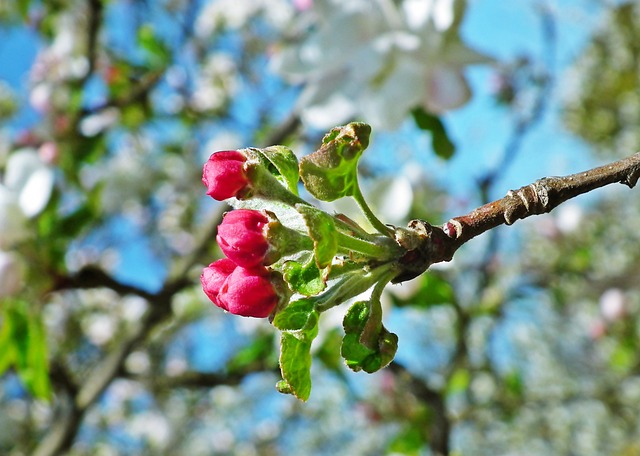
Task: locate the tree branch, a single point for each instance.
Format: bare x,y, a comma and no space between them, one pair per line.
438,244
541,197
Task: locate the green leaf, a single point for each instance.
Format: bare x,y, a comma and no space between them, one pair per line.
372,354
7,349
322,230
305,279
158,53
36,375
408,442
440,141
331,172
299,317
23,9
433,290
459,381
295,364
285,165
299,325
23,345
513,384
258,353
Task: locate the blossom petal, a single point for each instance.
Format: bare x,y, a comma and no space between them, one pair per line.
36,192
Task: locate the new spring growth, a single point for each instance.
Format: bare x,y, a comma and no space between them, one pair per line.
289,260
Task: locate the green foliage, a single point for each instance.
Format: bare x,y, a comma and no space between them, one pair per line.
604,104
440,141
295,364
157,53
459,381
299,317
257,354
23,346
299,325
433,290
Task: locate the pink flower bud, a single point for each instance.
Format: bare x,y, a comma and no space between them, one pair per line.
248,292
213,278
224,175
241,236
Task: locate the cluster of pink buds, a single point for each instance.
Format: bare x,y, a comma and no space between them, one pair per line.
314,260
240,284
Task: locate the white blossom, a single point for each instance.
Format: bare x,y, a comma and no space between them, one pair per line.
612,304
376,61
24,193
235,14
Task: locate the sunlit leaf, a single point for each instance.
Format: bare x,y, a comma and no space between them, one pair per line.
331,172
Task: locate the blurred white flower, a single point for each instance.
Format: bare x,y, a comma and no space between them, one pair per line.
98,122
569,218
216,83
377,61
11,274
612,304
235,14
24,193
65,57
40,97
151,426
30,179
99,328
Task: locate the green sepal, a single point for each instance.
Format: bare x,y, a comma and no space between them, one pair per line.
322,230
367,345
331,172
304,278
283,164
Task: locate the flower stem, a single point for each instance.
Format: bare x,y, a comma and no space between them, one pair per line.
372,249
368,213
354,283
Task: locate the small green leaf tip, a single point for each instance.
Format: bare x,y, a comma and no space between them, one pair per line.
331,172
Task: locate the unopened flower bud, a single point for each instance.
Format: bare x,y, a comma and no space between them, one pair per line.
224,174
242,238
248,292
214,275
